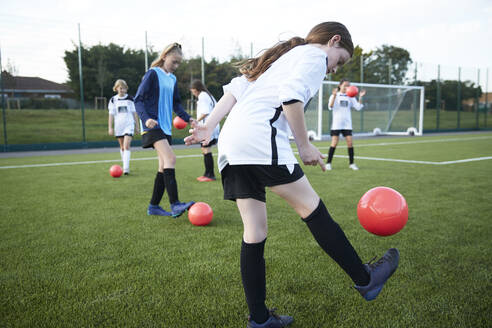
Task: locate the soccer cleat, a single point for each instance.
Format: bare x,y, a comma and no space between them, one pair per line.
157,210
328,166
179,208
200,178
126,173
379,273
353,167
274,321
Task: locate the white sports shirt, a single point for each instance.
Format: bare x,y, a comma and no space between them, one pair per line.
342,118
205,105
122,110
256,130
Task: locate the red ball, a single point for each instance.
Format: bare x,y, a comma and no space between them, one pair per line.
179,123
116,171
382,211
200,214
352,91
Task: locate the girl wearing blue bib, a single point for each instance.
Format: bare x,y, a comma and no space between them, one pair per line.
157,97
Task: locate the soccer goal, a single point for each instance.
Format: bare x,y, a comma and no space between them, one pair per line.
388,110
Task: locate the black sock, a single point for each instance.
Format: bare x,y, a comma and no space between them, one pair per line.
209,165
158,189
171,185
333,241
254,281
330,154
351,154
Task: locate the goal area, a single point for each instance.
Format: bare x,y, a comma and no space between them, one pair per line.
388,110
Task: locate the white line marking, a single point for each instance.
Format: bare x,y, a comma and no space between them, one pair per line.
358,157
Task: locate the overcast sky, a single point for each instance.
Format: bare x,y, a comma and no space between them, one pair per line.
35,34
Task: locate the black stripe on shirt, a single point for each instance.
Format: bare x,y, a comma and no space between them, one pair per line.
275,117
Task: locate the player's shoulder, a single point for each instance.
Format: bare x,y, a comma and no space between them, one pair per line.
130,97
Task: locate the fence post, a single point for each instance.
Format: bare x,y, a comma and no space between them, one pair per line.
361,81
81,88
438,96
477,125
4,118
415,96
146,54
486,95
203,60
459,98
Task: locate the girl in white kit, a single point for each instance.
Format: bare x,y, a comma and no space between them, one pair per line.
341,104
122,112
264,105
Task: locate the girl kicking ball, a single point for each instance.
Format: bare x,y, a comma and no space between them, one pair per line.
264,105
122,112
204,107
340,103
157,97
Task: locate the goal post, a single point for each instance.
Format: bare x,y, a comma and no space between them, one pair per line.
388,110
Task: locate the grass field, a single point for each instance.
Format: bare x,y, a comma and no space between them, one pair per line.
65,125
78,250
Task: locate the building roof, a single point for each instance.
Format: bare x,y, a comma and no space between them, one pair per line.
31,84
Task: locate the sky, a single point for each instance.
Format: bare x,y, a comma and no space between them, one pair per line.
35,34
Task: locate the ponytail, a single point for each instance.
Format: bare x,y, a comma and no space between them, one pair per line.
322,33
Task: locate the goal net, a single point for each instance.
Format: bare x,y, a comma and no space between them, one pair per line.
388,109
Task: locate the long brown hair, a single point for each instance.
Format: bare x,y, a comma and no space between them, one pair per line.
252,68
173,47
199,86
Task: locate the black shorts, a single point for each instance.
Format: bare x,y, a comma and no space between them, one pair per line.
249,181
154,135
210,144
126,134
336,133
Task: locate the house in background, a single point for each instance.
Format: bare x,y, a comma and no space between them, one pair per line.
17,88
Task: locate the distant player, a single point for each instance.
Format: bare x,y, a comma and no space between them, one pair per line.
204,107
122,112
264,106
157,97
341,104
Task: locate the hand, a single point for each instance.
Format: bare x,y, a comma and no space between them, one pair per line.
362,93
110,131
334,91
199,133
151,123
310,155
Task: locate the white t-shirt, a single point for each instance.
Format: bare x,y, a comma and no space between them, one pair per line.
122,110
342,118
256,130
205,105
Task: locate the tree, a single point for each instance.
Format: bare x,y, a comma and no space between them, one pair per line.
387,65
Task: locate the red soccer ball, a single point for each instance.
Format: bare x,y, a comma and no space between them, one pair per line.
116,171
352,91
179,123
200,214
382,211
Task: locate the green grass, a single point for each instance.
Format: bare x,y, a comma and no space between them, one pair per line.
64,126
78,250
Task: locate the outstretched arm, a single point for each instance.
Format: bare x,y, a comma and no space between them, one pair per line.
203,132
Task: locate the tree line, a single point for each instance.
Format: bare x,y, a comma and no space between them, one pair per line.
104,64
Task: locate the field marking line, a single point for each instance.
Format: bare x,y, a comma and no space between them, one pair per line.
411,142
358,157
419,162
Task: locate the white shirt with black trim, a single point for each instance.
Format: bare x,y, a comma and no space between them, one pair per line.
122,110
205,105
342,118
256,130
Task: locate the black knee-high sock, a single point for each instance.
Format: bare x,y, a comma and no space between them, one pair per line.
209,165
332,239
158,189
330,154
171,185
254,281
351,154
